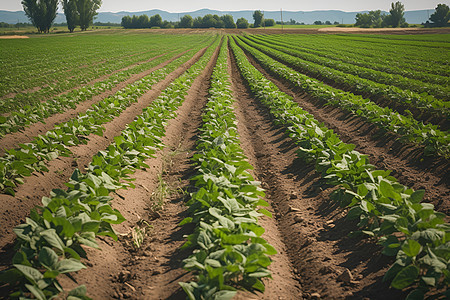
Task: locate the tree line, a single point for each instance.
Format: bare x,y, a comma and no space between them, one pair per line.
42,13
395,18
207,21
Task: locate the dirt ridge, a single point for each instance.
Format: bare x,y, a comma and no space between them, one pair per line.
26,135
313,228
385,151
28,195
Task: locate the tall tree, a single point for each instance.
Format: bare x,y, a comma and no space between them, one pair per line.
41,13
87,9
441,16
156,21
395,19
228,21
186,22
242,23
71,12
258,17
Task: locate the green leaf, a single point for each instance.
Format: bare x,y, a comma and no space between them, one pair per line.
37,292
411,248
417,196
10,191
53,239
31,273
387,190
265,212
416,295
79,291
224,295
186,221
405,277
48,257
69,265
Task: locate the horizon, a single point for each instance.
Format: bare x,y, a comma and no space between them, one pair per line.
117,6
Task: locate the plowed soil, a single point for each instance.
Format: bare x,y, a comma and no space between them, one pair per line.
317,258
26,135
385,150
29,194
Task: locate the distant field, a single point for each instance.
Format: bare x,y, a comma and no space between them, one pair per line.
212,165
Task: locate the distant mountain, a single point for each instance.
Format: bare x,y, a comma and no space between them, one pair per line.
307,17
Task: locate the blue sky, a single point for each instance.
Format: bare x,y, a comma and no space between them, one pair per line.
233,5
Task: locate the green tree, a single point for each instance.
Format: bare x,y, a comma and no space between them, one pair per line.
209,21
156,21
269,22
258,17
363,20
126,22
71,12
441,16
198,22
143,22
186,22
395,18
41,13
242,23
228,21
87,9
372,19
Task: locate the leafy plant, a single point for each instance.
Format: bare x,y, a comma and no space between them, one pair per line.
408,229
228,249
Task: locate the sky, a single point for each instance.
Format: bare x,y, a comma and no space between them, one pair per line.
234,5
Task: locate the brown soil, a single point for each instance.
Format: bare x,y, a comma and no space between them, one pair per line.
14,139
419,114
339,30
154,270
28,195
384,149
313,228
5,37
103,77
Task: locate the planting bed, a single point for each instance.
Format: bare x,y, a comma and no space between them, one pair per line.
207,169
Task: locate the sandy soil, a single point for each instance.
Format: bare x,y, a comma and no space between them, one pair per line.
26,135
385,151
15,209
8,37
317,259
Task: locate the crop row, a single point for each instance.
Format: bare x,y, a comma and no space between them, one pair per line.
229,251
388,211
424,102
434,140
438,92
63,64
31,114
414,59
82,72
30,157
328,50
417,50
49,243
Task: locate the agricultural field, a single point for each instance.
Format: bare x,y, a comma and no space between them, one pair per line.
207,165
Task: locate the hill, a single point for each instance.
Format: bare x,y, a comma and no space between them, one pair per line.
307,17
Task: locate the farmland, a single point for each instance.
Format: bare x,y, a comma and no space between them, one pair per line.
215,166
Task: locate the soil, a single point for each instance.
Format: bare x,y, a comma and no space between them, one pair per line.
26,135
28,195
153,270
7,37
317,258
313,228
385,151
101,78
